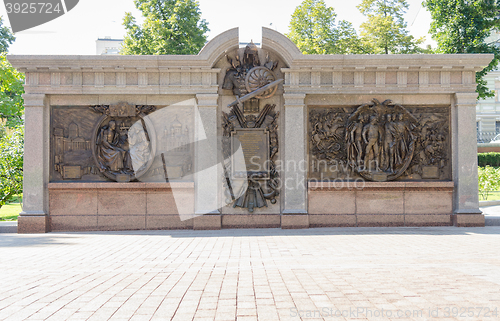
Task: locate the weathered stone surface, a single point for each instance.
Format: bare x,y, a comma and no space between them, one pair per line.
83,202
428,220
332,202
168,222
294,221
33,224
466,220
380,220
110,202
332,220
69,223
207,222
251,221
121,222
428,202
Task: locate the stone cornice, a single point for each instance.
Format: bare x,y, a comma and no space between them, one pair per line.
306,74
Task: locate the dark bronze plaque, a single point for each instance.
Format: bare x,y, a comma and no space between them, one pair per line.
72,172
255,146
71,144
379,141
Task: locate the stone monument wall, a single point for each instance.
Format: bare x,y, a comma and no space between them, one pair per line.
152,142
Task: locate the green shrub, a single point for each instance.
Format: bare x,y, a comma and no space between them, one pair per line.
488,179
11,164
488,159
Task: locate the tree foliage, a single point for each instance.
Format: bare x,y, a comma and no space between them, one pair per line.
462,26
314,30
385,30
11,90
11,163
171,27
489,180
11,122
6,37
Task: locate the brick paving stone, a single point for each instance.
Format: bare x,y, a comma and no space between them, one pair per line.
261,274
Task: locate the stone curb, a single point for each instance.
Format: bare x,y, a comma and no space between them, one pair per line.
8,227
491,220
488,203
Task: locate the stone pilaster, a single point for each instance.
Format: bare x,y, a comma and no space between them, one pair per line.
34,217
466,200
294,168
207,170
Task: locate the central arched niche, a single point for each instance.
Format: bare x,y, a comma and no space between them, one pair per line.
263,200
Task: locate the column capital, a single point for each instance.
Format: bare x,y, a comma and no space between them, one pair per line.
294,100
466,99
207,100
34,100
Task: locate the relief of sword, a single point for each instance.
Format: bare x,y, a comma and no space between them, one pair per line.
255,92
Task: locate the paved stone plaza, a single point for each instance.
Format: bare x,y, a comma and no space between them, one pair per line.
254,274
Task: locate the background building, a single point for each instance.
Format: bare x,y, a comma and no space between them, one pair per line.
108,46
488,110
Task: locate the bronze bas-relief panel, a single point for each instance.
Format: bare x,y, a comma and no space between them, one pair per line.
163,137
379,142
71,144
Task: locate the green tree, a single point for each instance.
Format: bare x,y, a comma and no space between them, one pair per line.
314,30
462,26
11,90
11,123
6,37
11,163
171,27
385,31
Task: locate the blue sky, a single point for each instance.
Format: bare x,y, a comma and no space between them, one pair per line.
75,33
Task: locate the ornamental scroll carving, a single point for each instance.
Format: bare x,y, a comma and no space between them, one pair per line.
379,141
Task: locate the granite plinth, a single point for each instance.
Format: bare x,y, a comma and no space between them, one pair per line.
380,204
468,220
33,224
251,221
294,221
207,222
121,206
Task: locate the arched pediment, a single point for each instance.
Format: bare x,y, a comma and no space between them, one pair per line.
281,45
215,48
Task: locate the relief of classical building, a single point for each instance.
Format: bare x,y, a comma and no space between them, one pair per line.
178,150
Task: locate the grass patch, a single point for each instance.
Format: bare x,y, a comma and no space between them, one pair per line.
492,196
10,211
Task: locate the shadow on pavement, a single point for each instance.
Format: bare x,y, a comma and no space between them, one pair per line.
22,240
65,238
256,232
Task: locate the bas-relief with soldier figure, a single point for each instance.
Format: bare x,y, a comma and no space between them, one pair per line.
379,141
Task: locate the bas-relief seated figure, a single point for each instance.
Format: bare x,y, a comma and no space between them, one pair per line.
113,151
